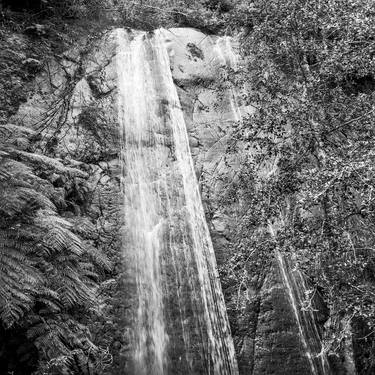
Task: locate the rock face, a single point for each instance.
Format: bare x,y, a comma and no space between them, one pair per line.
180,325
264,324
199,64
74,108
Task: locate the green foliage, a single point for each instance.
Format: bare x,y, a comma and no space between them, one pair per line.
152,14
99,136
49,269
310,143
51,262
142,14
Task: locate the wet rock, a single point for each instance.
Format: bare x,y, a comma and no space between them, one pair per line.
195,51
278,348
32,65
263,326
36,30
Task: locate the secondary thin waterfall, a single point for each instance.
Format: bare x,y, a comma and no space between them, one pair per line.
226,55
178,316
296,288
306,321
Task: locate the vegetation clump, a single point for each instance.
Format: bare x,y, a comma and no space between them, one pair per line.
309,71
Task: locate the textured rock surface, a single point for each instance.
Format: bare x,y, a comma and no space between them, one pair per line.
263,323
197,65
74,106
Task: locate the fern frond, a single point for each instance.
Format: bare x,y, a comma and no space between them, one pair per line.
48,266
16,136
83,227
98,258
21,203
10,313
46,163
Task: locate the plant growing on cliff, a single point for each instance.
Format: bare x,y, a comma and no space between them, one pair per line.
49,273
312,79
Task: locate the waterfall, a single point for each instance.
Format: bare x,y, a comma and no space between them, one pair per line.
178,316
295,286
228,58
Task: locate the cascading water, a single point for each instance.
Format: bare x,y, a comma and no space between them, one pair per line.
306,322
178,316
296,288
228,58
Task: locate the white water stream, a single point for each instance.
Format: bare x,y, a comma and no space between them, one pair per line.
227,57
295,285
179,321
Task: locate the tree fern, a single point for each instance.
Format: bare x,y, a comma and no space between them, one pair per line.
19,277
48,271
68,344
